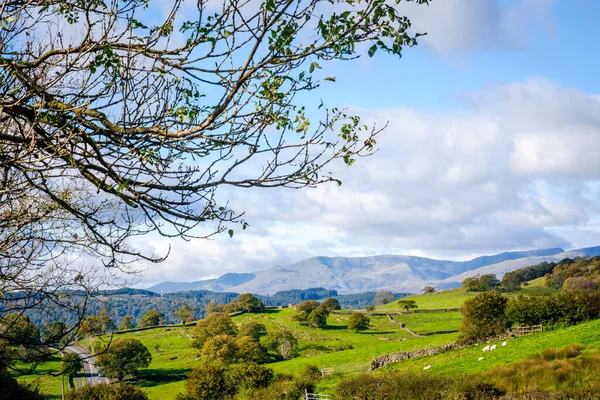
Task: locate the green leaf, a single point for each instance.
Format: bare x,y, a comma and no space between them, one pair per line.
230,233
330,78
372,50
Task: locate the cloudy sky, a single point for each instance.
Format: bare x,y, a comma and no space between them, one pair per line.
492,145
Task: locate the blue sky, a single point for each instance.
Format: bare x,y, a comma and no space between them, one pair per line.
494,127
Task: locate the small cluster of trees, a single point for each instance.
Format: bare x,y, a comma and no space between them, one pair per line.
581,272
218,338
247,381
119,391
480,283
490,313
511,281
97,324
246,302
314,314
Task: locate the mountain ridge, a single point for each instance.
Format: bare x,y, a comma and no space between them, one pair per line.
400,273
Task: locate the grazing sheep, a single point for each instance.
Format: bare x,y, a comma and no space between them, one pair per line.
493,348
480,358
427,367
486,348
503,344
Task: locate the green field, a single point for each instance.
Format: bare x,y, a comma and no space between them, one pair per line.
536,287
465,361
49,385
335,346
433,301
431,322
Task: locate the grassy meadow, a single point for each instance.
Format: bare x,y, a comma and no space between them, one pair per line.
335,346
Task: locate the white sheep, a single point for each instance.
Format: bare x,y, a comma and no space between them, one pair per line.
427,367
493,348
503,344
486,348
480,358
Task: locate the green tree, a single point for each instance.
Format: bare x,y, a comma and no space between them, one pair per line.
247,302
471,283
305,309
428,289
152,318
106,320
331,304
488,282
483,316
383,297
123,358
511,282
250,349
91,325
126,323
253,329
282,342
185,313
221,348
71,364
407,304
213,324
18,330
250,375
318,317
103,391
358,322
209,381
54,332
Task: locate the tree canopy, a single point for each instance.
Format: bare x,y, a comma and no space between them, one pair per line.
119,119
124,357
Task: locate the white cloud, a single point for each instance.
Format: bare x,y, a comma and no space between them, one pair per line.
471,25
516,170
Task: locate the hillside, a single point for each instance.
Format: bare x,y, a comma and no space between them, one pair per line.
363,274
350,352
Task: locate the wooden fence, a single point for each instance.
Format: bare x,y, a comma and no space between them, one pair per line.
527,330
347,368
316,396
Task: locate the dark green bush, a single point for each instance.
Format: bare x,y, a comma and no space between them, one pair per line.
414,387
483,316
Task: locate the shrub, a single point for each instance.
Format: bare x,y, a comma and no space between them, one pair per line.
414,387
558,370
104,391
250,376
11,389
358,322
483,316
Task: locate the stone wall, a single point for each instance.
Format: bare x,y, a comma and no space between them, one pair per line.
382,361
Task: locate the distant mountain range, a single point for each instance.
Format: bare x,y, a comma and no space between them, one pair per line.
364,274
